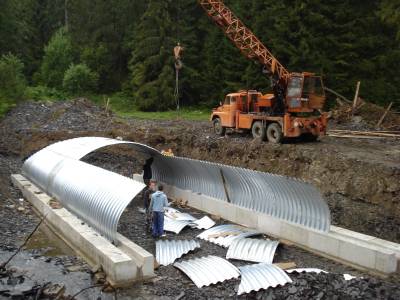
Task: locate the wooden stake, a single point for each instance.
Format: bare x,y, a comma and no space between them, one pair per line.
384,115
355,98
225,187
338,95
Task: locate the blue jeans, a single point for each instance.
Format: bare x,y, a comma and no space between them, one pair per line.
158,223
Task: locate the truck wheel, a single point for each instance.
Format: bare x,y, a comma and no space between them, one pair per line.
274,133
218,128
258,131
309,137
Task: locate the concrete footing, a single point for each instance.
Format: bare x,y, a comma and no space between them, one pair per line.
358,250
123,265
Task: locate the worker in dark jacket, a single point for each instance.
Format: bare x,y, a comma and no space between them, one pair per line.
147,173
158,202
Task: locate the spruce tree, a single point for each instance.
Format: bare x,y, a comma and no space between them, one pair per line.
152,63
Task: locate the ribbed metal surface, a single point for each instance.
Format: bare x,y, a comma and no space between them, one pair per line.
261,276
305,270
282,197
175,226
224,235
168,251
262,251
203,223
208,270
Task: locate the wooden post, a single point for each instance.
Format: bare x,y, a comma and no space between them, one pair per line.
225,187
384,115
107,104
355,98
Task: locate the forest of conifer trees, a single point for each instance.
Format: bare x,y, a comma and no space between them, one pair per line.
66,48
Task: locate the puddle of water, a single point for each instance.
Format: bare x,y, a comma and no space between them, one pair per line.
44,238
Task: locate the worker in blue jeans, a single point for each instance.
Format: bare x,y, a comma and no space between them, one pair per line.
157,204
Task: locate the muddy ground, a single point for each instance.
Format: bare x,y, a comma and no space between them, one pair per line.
360,179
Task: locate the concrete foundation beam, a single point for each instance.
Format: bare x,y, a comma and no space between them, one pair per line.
123,265
358,250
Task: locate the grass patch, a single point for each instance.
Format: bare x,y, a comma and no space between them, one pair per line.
123,106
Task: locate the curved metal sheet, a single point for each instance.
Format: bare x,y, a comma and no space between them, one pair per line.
281,197
167,251
175,226
203,223
261,276
224,235
305,270
208,270
262,251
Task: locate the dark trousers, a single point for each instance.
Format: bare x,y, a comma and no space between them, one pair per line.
158,223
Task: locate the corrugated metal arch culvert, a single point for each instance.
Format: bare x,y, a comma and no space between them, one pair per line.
278,196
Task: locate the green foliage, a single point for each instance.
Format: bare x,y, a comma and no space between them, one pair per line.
79,79
44,93
58,56
12,80
152,63
129,45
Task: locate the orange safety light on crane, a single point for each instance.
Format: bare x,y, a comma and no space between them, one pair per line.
295,107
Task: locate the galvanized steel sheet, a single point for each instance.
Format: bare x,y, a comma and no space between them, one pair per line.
167,251
255,250
208,270
261,276
203,223
281,197
305,270
175,226
224,235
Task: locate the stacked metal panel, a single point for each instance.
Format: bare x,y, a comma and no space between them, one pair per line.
261,276
224,235
173,225
203,223
208,270
262,251
167,251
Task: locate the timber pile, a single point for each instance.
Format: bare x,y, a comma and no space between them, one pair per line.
377,134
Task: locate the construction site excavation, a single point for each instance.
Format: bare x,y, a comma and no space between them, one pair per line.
140,160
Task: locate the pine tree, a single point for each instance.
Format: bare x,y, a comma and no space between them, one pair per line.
152,63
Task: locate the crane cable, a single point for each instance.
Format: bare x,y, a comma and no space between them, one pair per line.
178,63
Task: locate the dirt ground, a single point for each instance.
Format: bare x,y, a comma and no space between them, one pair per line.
360,180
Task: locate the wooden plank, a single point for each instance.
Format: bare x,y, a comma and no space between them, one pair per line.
384,115
286,265
355,98
338,95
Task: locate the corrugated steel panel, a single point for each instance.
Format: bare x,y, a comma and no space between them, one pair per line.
175,226
204,223
261,276
224,235
262,251
281,197
177,215
208,270
305,270
167,251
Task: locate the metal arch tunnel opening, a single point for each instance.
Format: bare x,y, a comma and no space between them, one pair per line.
98,202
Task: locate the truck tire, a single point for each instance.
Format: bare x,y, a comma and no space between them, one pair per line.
274,133
309,137
218,128
258,131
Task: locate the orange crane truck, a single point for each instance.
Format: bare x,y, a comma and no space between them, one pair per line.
295,107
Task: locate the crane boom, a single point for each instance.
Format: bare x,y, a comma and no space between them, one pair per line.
243,38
